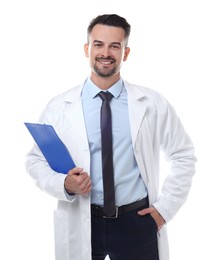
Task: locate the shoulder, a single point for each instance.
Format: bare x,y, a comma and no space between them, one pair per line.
59,103
67,96
145,93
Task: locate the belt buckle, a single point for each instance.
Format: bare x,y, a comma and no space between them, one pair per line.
115,215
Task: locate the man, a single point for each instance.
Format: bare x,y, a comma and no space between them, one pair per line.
143,122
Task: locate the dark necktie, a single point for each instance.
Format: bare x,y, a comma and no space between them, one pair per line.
107,154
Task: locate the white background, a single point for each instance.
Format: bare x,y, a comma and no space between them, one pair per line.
175,49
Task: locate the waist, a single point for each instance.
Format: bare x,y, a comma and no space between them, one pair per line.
98,210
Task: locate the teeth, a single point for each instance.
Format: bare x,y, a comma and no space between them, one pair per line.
106,62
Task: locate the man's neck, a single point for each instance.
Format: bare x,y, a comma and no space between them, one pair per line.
104,82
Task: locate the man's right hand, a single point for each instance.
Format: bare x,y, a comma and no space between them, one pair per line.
77,182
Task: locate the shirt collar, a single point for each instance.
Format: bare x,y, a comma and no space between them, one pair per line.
93,90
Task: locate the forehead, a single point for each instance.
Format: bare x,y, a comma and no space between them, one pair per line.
106,33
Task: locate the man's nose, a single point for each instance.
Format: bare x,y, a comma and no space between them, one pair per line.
105,52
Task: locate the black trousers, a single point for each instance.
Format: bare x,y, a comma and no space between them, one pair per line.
128,237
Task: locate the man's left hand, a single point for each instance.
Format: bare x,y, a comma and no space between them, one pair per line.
155,215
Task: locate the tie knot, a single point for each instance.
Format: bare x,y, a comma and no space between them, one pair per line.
105,95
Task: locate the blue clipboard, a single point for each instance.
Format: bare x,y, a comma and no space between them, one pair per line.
52,147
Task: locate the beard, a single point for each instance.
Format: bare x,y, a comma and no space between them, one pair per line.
103,70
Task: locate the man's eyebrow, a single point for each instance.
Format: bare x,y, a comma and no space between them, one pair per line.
97,41
118,43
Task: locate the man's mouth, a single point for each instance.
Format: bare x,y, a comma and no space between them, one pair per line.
105,61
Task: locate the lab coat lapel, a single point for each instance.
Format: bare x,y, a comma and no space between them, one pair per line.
137,108
74,115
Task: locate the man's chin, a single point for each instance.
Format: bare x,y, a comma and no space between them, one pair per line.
105,74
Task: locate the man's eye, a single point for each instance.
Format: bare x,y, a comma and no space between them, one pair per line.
115,46
97,45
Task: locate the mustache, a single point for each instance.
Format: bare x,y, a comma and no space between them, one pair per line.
108,58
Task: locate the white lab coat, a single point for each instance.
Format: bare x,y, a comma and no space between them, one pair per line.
154,125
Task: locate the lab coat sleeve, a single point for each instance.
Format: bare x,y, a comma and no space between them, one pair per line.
179,151
38,168
45,178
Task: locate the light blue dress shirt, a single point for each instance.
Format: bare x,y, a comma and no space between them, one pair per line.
129,186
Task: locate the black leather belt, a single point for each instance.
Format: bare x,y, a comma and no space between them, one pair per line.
98,210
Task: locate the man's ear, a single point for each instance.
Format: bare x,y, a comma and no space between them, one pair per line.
126,53
86,49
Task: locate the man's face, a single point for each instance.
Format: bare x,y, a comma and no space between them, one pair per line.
106,50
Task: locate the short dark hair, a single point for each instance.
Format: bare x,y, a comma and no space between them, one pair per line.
111,20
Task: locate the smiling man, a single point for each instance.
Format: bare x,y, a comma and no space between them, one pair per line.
110,204
106,50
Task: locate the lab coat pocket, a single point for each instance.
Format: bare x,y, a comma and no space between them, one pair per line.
61,234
